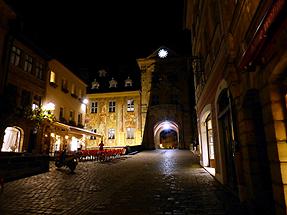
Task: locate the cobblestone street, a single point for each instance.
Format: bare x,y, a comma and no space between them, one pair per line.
150,182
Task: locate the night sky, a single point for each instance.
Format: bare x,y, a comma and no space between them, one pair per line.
93,34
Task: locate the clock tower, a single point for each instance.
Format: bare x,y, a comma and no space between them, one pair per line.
166,92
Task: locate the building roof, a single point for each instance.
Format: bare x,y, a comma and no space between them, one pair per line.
114,81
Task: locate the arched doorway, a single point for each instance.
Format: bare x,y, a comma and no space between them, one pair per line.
168,139
13,139
166,135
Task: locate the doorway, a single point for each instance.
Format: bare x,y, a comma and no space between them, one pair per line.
166,135
13,139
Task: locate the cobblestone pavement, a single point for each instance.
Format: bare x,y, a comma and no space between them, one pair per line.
150,182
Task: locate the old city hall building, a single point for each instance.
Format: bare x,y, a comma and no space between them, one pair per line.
152,108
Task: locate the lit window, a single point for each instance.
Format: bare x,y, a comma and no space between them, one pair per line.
209,131
130,133
112,106
131,106
94,107
73,89
52,77
93,137
111,134
80,93
113,83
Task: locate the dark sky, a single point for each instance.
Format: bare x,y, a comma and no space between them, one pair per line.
90,33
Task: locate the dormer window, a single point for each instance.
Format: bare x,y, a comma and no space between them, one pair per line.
102,73
95,84
128,82
113,83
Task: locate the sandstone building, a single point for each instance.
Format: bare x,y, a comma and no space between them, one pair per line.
239,65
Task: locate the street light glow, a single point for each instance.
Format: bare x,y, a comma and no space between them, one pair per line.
85,101
50,106
166,126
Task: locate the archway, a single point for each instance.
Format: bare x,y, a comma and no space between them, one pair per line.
166,135
13,139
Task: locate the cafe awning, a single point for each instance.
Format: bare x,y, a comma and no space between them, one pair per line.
83,131
76,130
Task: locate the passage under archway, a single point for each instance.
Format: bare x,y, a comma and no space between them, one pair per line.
166,135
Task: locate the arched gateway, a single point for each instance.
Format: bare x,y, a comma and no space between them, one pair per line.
166,135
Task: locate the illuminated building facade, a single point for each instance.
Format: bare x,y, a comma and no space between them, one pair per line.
25,88
65,98
114,110
239,66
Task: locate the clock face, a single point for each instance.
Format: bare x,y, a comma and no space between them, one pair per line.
162,53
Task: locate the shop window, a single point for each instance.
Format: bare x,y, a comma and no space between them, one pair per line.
209,137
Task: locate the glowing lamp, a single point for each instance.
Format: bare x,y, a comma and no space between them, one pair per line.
50,106
166,126
85,101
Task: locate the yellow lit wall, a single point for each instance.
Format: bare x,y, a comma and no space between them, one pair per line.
119,120
66,100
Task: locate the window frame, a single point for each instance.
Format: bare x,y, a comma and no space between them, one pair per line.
94,107
130,132
111,134
112,106
130,105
